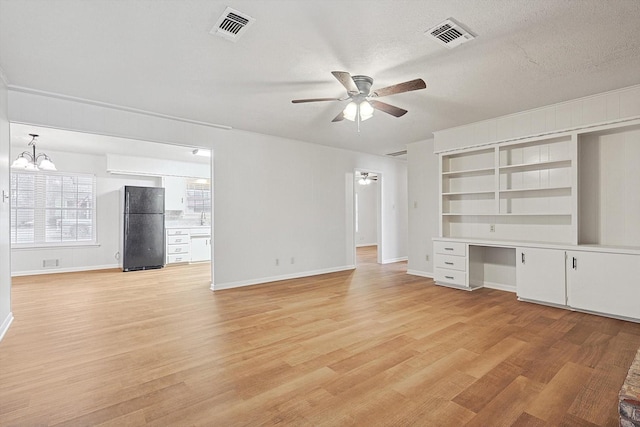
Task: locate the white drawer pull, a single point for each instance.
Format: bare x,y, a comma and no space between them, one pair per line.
178,249
449,277
448,249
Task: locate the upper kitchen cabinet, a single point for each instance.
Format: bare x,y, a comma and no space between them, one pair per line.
175,188
189,195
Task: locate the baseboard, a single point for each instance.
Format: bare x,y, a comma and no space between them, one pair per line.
63,270
5,325
392,260
420,273
242,283
497,286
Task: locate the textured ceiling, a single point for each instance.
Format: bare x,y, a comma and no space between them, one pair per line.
159,56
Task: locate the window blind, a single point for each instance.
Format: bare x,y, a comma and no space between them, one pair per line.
52,207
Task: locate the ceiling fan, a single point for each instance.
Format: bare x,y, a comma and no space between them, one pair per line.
365,178
363,99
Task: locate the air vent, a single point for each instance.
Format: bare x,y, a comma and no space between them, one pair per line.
232,24
450,34
397,153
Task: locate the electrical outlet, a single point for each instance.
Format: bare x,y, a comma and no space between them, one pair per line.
293,260
277,261
492,228
427,257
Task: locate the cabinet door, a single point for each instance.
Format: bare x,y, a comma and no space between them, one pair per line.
540,275
604,282
200,249
175,193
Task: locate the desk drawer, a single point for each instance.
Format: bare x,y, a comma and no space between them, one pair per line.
177,249
177,239
450,248
451,262
454,277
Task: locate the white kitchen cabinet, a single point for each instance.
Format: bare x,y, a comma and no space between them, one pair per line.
540,275
178,247
175,193
200,248
604,283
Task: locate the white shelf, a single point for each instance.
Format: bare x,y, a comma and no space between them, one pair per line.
534,190
469,172
468,193
509,214
536,166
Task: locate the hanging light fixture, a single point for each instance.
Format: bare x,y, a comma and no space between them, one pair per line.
32,161
361,111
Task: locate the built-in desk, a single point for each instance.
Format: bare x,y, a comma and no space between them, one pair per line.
597,279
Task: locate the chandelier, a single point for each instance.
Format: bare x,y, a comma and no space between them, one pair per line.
32,161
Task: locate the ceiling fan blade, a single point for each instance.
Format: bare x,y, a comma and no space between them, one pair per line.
387,108
347,81
400,88
298,101
339,117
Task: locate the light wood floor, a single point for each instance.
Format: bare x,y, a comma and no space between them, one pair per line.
368,347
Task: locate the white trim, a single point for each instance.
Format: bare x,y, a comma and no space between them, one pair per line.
570,101
426,274
392,260
5,325
242,283
362,245
63,270
113,106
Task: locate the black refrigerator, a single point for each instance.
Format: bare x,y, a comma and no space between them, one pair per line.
143,222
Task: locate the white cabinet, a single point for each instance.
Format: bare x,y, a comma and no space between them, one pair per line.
175,193
540,275
450,261
178,245
200,248
604,283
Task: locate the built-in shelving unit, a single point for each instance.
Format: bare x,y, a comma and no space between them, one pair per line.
526,185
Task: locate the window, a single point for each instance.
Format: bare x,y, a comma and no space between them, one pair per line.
198,195
52,208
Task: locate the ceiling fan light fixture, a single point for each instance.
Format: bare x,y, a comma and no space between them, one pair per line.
366,110
350,111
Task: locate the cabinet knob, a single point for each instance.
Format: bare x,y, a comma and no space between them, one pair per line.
575,263
522,254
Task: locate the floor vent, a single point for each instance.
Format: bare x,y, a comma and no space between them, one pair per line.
398,153
232,24
48,263
450,33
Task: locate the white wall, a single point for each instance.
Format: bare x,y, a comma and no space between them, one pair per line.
367,233
274,198
5,242
423,206
30,260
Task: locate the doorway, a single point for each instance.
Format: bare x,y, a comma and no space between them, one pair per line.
367,195
115,162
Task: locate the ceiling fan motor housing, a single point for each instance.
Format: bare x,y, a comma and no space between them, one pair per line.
363,83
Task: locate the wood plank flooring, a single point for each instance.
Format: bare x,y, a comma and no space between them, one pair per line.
370,347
